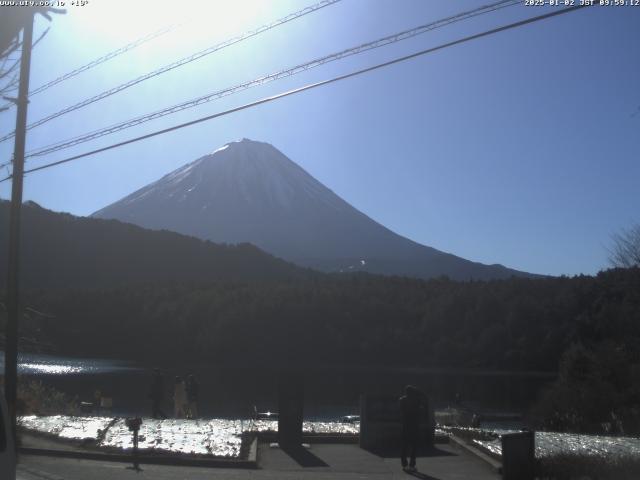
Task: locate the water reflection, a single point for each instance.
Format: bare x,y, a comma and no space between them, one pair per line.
35,368
39,364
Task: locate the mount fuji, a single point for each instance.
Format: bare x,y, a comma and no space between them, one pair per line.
248,191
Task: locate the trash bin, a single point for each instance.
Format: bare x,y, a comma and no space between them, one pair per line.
518,456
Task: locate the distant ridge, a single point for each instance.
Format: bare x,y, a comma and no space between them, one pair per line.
248,191
60,250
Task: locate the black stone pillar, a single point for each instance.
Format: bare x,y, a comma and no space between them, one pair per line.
518,456
290,409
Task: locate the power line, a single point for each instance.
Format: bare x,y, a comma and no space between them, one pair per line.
104,58
178,63
309,87
406,34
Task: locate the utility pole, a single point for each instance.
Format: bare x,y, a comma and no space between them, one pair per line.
13,298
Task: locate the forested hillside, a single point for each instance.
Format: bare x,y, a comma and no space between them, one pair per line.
62,251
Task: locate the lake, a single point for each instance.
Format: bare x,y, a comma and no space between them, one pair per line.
230,390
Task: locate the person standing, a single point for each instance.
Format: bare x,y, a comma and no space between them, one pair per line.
410,411
179,398
156,394
193,390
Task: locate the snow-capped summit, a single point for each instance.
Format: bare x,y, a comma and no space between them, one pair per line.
248,191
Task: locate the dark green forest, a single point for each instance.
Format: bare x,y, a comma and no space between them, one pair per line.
589,326
517,324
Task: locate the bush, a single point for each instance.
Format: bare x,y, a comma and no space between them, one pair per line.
597,391
569,466
36,398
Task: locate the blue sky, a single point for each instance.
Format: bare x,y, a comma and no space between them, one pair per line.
520,149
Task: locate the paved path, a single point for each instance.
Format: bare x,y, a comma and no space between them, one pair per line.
321,461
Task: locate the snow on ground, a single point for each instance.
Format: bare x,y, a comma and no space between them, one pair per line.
553,443
63,426
321,428
217,437
223,437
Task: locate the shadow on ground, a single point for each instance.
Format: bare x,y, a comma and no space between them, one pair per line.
302,456
394,452
424,476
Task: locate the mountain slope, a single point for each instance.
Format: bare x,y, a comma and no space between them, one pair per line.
61,250
249,191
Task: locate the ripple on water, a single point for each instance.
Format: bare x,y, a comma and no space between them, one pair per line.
48,369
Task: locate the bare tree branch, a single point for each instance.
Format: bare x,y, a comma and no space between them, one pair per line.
10,48
4,73
625,251
13,20
10,86
11,23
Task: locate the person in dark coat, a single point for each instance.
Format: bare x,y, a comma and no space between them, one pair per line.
410,409
193,389
180,398
156,394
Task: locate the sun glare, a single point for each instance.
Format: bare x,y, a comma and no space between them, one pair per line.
122,21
